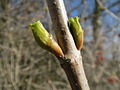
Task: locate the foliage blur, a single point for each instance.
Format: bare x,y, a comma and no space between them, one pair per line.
25,66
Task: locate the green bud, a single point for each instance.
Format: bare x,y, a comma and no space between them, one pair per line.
76,31
44,39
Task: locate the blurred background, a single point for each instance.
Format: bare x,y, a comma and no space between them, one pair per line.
25,66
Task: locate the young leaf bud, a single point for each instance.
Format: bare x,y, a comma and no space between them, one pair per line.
44,39
76,31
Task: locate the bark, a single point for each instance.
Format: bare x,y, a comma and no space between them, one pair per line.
72,62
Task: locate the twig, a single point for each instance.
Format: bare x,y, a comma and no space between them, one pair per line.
108,11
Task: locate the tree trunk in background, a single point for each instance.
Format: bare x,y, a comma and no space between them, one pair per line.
72,62
96,27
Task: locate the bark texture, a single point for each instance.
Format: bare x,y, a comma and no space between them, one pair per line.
72,62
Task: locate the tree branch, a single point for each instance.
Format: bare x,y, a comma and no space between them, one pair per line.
108,11
59,21
72,62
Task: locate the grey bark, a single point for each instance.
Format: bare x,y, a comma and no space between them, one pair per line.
72,62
